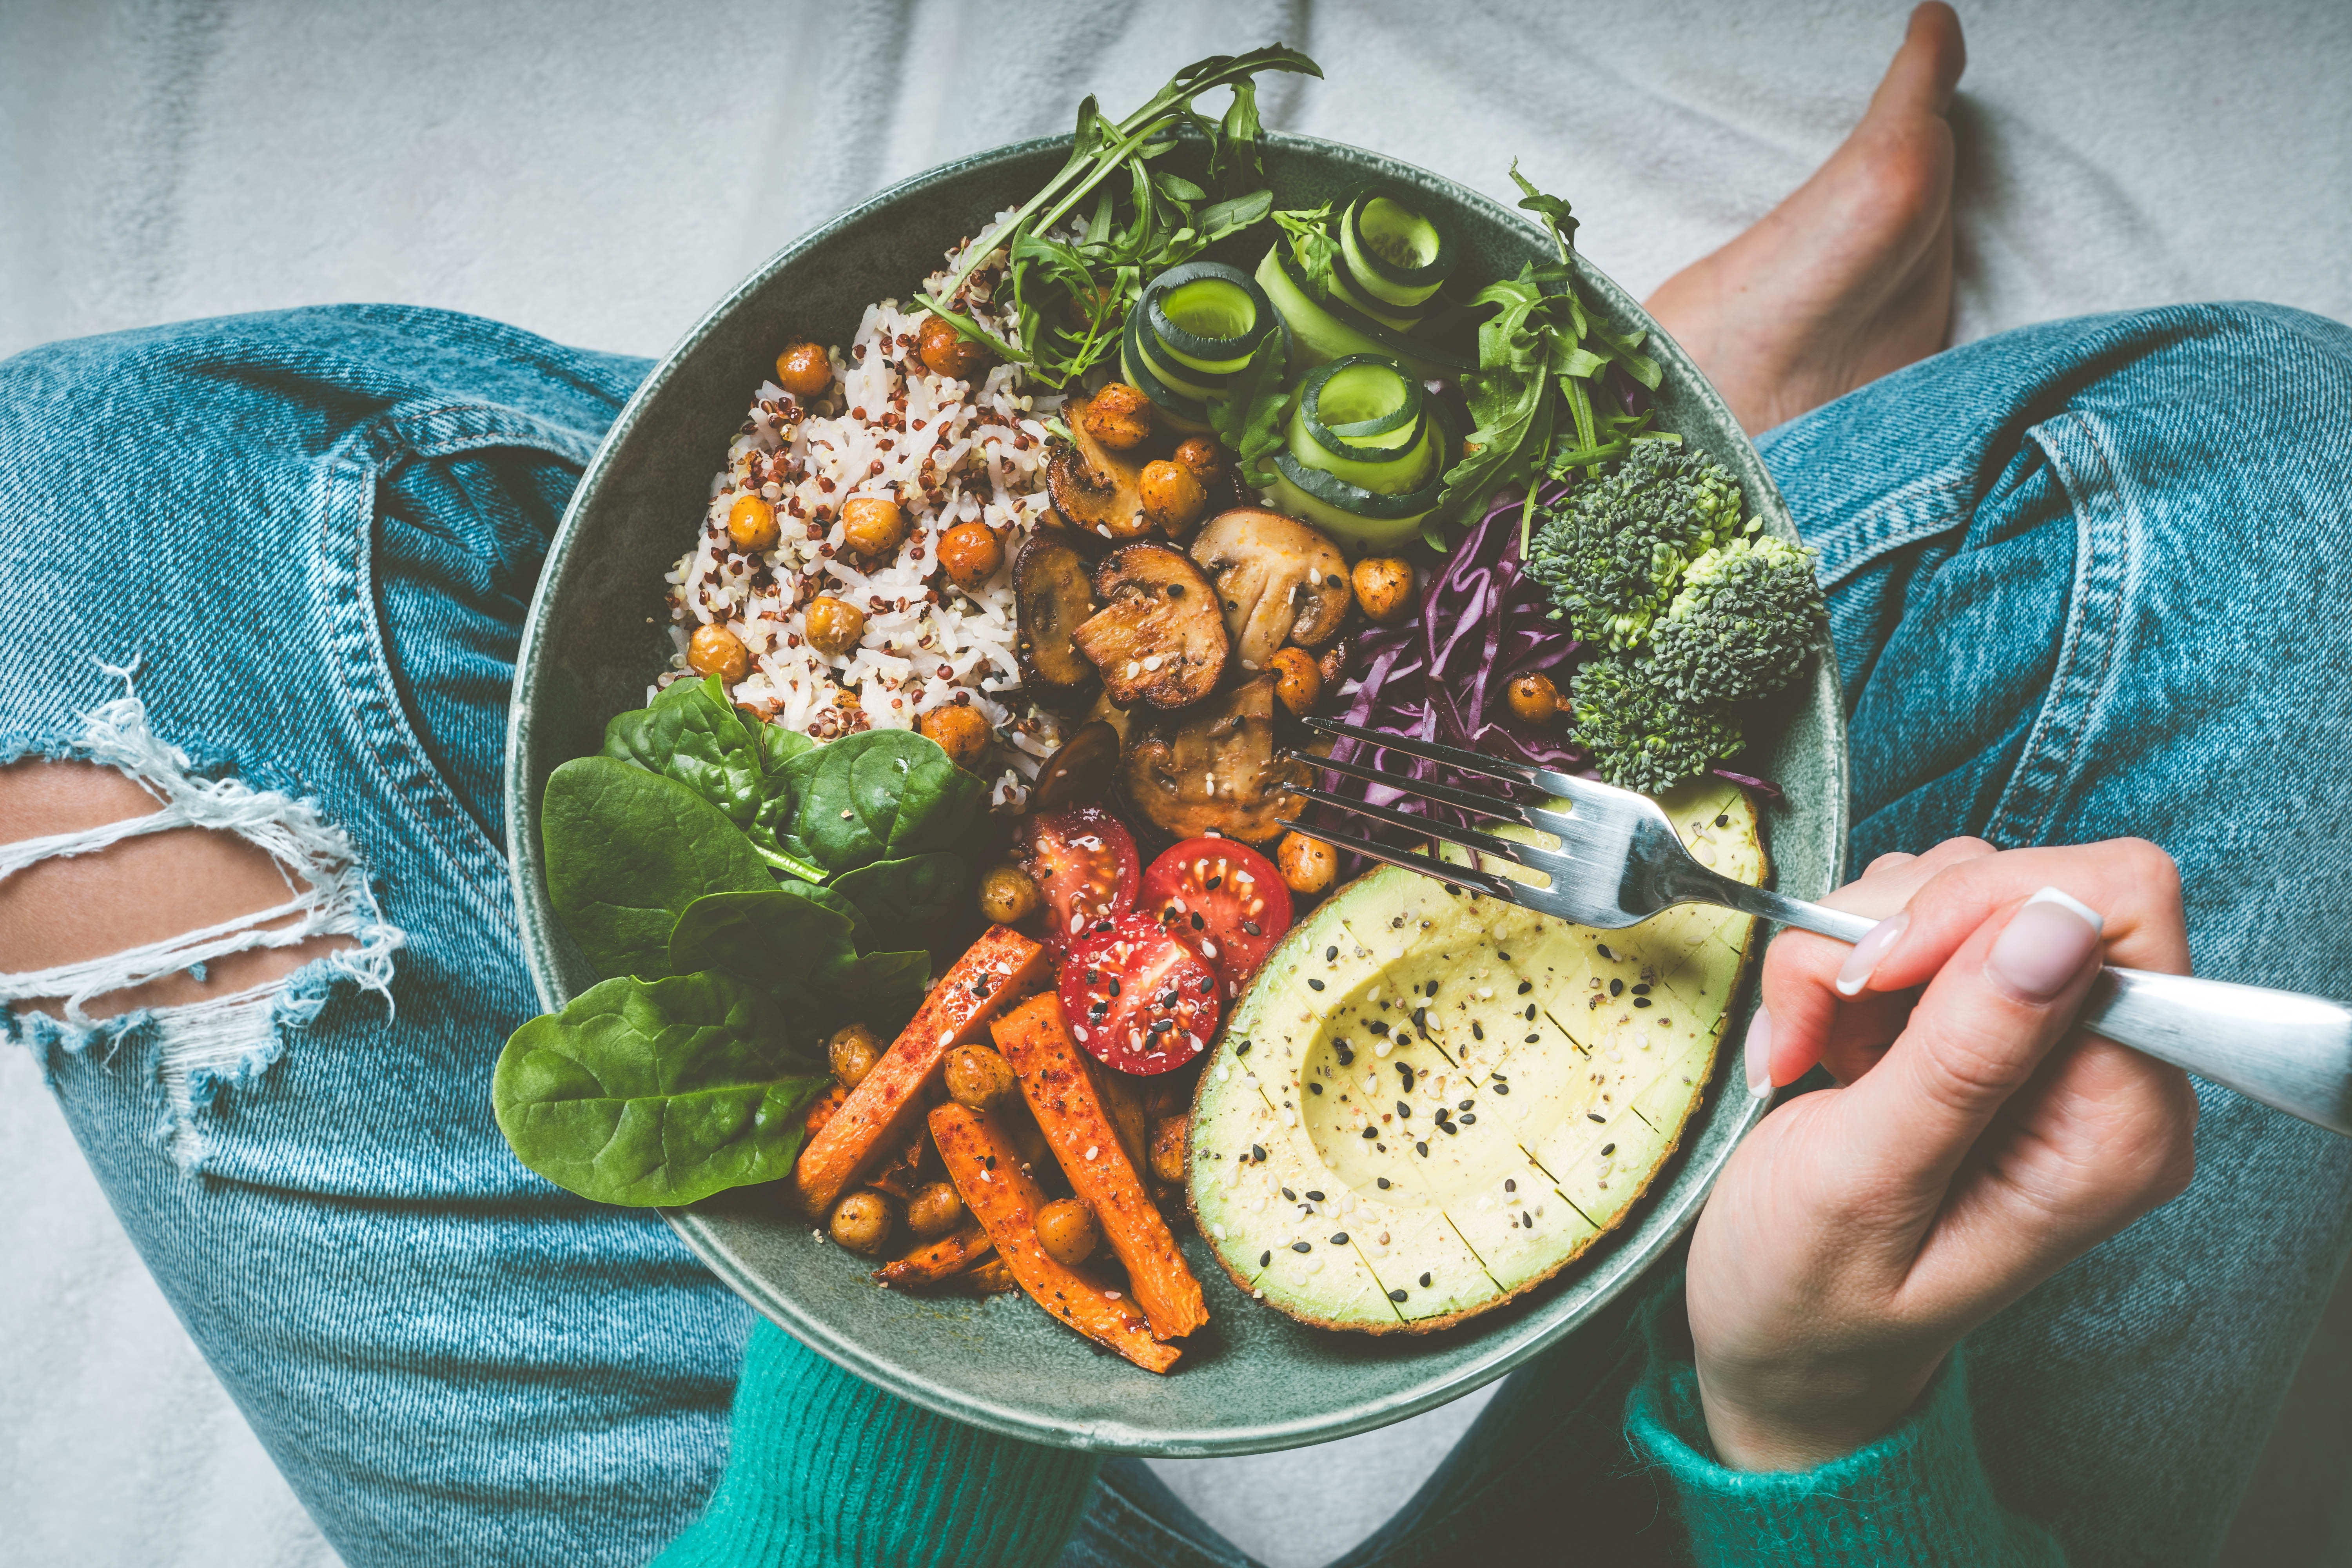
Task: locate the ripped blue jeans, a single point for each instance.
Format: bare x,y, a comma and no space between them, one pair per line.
2087,580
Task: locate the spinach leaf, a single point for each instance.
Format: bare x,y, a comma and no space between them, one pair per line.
880,794
655,1093
801,950
922,900
693,734
778,745
627,850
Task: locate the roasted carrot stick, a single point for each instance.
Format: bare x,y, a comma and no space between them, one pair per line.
1061,1092
981,1163
1122,1101
938,1261
821,1108
886,1107
988,1277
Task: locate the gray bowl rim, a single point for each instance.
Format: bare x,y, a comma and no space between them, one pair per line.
1537,1330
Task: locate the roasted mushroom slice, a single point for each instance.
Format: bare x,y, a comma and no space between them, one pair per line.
1158,638
1279,581
1052,596
1213,769
1099,491
1081,770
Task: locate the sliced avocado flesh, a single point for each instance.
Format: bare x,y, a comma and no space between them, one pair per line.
1561,1134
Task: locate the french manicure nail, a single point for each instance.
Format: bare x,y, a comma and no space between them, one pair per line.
1760,1055
2045,945
1854,973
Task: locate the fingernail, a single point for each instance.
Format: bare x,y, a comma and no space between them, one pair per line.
2045,945
1760,1055
1854,973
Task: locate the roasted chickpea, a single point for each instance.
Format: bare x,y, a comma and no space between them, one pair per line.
1119,417
1202,455
803,370
979,1077
715,650
1168,1146
1533,699
751,524
853,1052
1172,494
1308,864
874,526
834,626
960,731
1007,894
861,1221
1297,679
947,351
934,1211
1384,588
1065,1229
971,555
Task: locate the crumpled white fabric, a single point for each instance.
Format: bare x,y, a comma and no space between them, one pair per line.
602,171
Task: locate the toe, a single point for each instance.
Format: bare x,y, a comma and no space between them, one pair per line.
1927,66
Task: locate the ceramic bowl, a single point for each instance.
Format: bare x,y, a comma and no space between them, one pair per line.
1251,1380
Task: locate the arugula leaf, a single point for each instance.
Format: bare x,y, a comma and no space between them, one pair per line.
1312,244
1069,299
919,901
1251,414
627,850
1553,210
655,1093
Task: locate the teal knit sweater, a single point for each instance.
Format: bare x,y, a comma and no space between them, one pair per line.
827,1470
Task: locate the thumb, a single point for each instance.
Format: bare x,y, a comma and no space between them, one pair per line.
1995,1006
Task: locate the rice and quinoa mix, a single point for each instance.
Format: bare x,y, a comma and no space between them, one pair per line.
947,451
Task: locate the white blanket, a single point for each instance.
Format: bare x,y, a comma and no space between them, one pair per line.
601,172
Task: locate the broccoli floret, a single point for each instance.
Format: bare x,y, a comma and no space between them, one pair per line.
1609,553
1640,737
1748,614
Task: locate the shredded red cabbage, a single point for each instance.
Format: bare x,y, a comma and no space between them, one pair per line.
1480,625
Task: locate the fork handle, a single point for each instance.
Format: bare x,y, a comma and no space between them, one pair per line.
2282,1048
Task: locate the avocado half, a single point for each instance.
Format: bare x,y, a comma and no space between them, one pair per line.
1428,1102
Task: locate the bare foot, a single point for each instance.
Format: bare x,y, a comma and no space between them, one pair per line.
1851,277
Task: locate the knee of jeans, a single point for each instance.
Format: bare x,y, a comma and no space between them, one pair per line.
194,922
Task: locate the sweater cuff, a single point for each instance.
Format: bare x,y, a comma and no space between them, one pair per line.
824,1469
1917,1496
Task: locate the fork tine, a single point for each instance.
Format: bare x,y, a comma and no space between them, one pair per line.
1430,751
1485,806
1469,877
1526,854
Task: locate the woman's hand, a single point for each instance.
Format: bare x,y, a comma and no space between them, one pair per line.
1976,1145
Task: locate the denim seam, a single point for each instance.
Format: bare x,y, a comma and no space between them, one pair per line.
1169,1548
378,725
2079,454
1919,510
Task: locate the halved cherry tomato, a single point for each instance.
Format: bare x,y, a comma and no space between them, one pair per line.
1224,898
1138,999
1082,860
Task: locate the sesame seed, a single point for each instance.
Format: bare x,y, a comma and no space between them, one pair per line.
1502,1089
1264,1259
1424,1281
1396,1295
1384,1181
1301,1246
1422,1150
1314,985
1340,1238
1595,1116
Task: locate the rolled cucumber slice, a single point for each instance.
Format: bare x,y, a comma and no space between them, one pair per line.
1206,318
1326,330
1361,408
1182,411
1398,255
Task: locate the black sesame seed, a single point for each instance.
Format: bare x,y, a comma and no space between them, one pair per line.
1501,955
1421,1020
1300,1247
1723,820
1509,1185
1257,1153
1113,988
1338,1239
1531,1012
1594,1116
1313,1088
1198,923
1242,1049
1466,1105
1641,1001
1370,1133
1424,1281
1288,1195
1528,1220
1616,988
1264,1259
1609,1147
1642,990
1526,986
1384,1181
1469,1116
1213,883
1346,1054
1450,1129
1251,928
1404,1071
1531,1039
1330,953
1404,1110
1313,984
1603,949
1377,1026
1422,1150
1476,1032
1433,988
1396,1295
1502,1089
1313,1196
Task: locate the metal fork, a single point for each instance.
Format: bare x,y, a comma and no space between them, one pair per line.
1619,862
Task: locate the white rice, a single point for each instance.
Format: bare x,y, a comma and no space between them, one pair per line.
948,452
